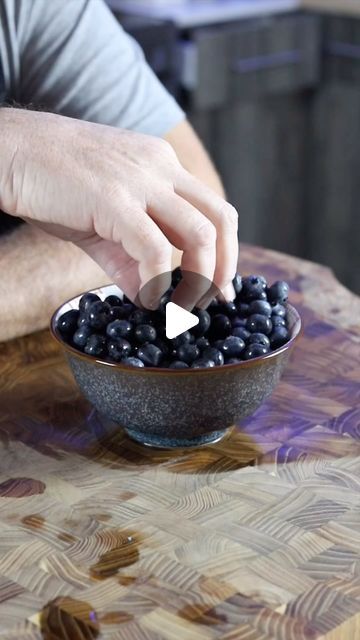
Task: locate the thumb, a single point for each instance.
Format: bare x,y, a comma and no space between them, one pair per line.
117,264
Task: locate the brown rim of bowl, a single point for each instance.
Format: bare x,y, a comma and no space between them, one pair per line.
162,370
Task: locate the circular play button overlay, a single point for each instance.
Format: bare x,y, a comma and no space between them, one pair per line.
176,294
178,320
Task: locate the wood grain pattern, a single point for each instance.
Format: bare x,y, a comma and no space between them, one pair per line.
255,538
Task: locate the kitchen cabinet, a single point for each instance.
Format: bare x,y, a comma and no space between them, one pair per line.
334,153
287,143
333,191
260,149
260,57
276,100
256,120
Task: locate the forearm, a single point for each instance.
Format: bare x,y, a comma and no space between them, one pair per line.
38,272
193,156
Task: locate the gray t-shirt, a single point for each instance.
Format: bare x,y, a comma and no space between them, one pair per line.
72,57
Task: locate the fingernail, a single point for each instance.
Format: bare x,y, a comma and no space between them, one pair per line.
229,293
152,304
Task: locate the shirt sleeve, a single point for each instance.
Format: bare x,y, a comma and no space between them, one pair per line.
77,60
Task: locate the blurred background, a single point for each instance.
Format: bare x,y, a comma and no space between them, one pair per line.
273,89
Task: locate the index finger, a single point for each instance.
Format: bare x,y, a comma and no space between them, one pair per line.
225,219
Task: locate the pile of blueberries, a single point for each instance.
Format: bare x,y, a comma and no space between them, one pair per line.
227,333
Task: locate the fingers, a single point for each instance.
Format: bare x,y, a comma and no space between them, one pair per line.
112,258
144,241
192,232
194,220
224,218
134,234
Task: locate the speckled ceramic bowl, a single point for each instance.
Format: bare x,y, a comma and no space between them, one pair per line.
175,408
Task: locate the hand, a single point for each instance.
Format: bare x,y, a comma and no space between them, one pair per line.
121,196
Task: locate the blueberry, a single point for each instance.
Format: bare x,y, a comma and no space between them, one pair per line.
232,347
218,344
278,292
215,355
145,333
204,322
178,364
96,345
238,322
187,353
113,301
86,300
68,322
202,363
128,308
254,351
243,309
156,319
278,321
259,324
237,284
202,343
98,315
118,349
176,276
279,310
241,332
133,362
279,337
220,326
253,287
228,308
81,336
163,346
118,313
227,331
260,306
164,300
259,338
119,329
183,338
140,316
262,296
213,307
150,355
83,320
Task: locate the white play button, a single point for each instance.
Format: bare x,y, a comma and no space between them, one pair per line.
178,320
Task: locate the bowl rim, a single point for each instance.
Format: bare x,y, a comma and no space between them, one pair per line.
165,370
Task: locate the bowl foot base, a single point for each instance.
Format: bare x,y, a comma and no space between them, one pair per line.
161,442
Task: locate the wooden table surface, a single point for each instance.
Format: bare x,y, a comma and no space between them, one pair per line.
256,538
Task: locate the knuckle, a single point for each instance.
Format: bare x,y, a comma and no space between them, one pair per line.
145,234
204,235
162,144
158,251
229,218
163,253
164,148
